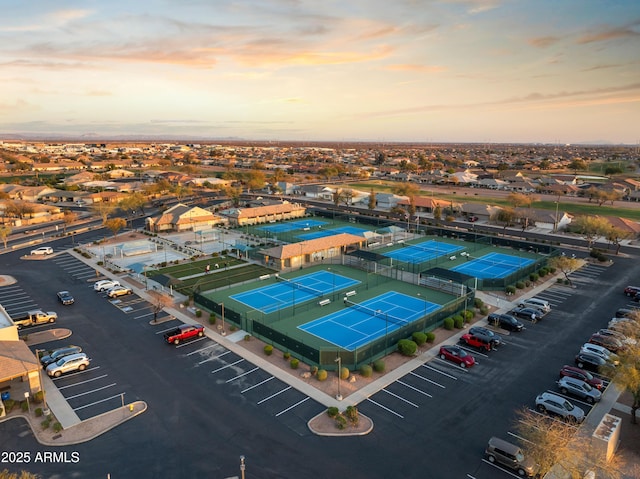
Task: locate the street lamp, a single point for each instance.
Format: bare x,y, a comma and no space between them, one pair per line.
242,467
223,331
555,225
339,361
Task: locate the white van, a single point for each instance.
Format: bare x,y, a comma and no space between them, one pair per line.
540,304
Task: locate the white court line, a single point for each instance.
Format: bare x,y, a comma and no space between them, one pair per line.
438,371
202,349
227,366
82,382
89,392
414,388
256,385
98,402
274,395
241,375
291,407
399,397
427,380
213,358
385,408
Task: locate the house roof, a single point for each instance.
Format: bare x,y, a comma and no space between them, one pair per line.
266,210
16,360
312,246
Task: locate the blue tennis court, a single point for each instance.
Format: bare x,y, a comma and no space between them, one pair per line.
359,324
352,230
292,226
285,293
421,252
493,265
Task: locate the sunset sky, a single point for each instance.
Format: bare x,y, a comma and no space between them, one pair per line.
549,71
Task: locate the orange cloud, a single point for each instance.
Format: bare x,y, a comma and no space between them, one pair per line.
408,67
543,42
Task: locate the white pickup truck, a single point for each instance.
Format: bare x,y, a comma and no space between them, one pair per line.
34,317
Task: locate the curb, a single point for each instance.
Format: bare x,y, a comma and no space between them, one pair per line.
344,433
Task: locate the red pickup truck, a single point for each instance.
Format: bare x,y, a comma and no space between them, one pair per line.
186,331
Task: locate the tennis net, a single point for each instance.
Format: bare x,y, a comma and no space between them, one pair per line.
300,286
375,313
499,264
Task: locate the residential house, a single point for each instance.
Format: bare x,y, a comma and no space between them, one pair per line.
181,217
386,201
315,191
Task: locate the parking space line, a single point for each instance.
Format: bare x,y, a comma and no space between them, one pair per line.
256,385
82,382
98,402
143,316
11,294
214,358
274,395
474,351
427,380
241,375
569,398
520,438
227,366
400,397
165,330
414,388
75,374
292,406
71,270
441,372
203,338
203,349
89,392
385,408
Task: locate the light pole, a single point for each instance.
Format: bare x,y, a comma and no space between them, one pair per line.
339,361
242,467
223,331
555,225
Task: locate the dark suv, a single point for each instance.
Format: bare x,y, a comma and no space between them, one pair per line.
505,321
479,330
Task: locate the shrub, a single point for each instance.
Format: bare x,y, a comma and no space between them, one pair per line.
344,373
286,355
351,413
448,323
534,277
477,302
341,422
45,424
468,315
333,412
559,280
314,370
602,258
527,283
431,337
247,337
38,412
419,338
552,270
38,397
322,374
520,285
212,319
198,313
57,427
294,363
379,366
9,405
406,347
268,350
24,405
484,310
458,321
366,371
543,272
510,289
233,327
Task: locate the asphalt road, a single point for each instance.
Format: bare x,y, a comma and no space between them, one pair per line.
208,407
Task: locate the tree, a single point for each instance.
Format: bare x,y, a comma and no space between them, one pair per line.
437,213
557,445
159,301
134,201
115,225
5,474
103,209
405,189
255,180
520,200
565,265
591,227
372,200
616,235
506,216
577,164
347,196
337,196
68,218
5,232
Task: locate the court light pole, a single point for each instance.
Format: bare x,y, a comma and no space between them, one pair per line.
339,361
242,466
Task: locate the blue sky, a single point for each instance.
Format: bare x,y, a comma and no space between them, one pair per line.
410,70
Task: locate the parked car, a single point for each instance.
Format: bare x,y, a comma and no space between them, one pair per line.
636,297
44,250
631,290
590,361
66,364
601,351
624,313
56,354
105,284
479,341
65,297
505,321
507,454
623,324
558,406
581,374
536,303
579,389
496,339
118,291
612,344
457,355
529,314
